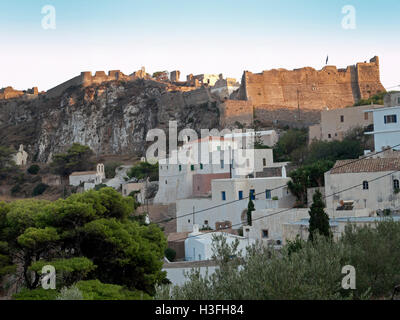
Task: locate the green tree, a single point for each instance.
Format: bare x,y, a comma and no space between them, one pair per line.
144,170
293,142
250,209
319,220
77,158
7,164
308,176
87,236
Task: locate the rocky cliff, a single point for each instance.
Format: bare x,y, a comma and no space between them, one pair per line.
111,118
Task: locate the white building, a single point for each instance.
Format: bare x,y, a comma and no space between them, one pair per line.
90,178
268,138
229,201
366,183
338,226
271,225
387,123
188,172
199,246
21,157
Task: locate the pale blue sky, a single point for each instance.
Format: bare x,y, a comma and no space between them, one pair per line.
217,36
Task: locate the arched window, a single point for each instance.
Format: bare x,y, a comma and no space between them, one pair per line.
396,184
365,185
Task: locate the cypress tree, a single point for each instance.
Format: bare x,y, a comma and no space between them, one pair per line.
250,209
319,220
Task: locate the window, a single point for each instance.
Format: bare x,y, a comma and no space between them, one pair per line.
264,234
391,119
166,181
268,194
180,167
222,164
223,195
329,136
219,148
253,194
398,100
192,167
365,185
264,162
201,166
396,184
206,222
341,118
240,195
366,115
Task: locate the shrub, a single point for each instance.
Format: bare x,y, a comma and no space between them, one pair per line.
39,189
110,168
170,254
34,169
16,189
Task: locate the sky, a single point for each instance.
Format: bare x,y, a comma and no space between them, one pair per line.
218,36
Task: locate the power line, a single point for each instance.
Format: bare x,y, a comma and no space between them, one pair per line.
288,209
255,194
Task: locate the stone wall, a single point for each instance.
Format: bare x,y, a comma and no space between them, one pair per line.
233,111
310,88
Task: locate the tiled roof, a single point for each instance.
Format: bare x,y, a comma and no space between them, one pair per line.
83,173
366,165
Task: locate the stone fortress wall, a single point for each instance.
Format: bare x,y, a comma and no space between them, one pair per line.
312,89
11,93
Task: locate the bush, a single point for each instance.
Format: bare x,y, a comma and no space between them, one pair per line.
144,170
34,169
170,254
110,168
39,189
16,189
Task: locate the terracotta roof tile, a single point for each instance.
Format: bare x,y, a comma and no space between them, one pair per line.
366,165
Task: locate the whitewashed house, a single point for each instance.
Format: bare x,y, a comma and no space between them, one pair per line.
365,183
88,178
387,123
21,157
199,246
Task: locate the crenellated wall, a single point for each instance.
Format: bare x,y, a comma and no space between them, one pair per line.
312,89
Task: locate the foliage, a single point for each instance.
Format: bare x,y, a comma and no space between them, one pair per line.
68,271
39,189
319,219
100,186
375,254
33,169
170,254
72,293
375,99
7,164
308,176
290,143
250,209
144,170
77,158
86,236
95,290
109,169
36,294
300,270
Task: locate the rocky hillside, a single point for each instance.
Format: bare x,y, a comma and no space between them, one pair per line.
111,118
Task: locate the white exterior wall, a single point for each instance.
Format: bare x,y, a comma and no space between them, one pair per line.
77,180
386,134
232,212
199,247
274,221
380,194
